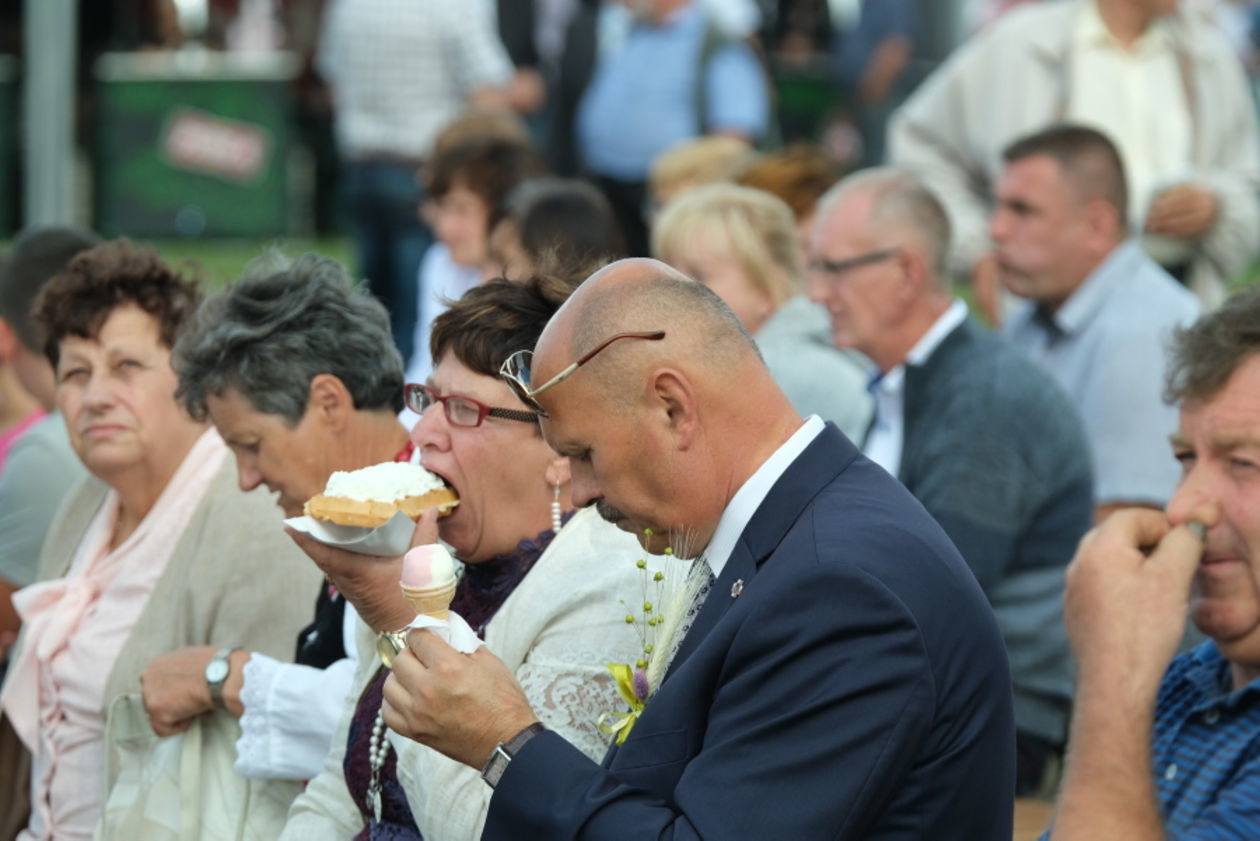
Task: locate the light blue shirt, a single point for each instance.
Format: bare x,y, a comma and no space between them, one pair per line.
642,95
1108,347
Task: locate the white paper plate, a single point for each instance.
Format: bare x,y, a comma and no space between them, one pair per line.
392,538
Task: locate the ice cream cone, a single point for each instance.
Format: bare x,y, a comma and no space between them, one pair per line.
431,601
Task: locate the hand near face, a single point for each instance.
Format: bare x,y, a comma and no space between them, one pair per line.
1128,590
174,688
369,582
461,705
1186,211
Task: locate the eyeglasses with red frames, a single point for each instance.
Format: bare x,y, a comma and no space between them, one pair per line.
459,410
516,369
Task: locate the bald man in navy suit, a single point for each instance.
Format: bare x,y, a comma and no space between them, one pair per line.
844,677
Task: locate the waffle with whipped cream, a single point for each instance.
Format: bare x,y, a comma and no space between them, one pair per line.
372,496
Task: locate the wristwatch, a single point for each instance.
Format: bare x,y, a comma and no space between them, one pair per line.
217,671
493,770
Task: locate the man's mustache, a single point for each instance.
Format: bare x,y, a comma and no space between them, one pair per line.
608,512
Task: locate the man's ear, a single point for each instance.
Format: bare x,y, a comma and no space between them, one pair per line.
914,274
1104,225
675,403
329,401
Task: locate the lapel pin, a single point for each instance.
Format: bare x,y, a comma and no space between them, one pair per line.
737,588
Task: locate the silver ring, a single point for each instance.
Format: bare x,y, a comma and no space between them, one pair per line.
389,644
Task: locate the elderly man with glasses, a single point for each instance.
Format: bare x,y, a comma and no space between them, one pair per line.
834,672
983,437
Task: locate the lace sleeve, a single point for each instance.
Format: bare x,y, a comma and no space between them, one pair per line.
450,801
570,699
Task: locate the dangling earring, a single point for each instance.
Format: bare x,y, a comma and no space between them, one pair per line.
555,508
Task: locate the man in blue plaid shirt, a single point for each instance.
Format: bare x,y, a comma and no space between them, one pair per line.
1172,751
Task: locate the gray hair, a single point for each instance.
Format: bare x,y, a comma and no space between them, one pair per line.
901,201
1206,354
268,334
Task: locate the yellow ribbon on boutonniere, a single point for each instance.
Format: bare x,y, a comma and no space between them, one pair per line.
620,724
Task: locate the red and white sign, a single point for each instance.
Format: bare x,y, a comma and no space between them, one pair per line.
203,142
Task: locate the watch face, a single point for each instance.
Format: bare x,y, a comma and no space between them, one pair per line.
217,671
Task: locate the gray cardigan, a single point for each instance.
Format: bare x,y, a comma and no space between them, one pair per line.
234,579
997,454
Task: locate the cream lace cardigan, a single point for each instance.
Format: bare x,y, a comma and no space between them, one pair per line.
556,631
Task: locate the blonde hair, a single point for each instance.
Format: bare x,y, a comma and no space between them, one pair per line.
693,163
755,228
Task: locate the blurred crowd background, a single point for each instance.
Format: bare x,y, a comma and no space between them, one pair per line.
207,126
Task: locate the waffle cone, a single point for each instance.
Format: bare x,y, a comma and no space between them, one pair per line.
431,601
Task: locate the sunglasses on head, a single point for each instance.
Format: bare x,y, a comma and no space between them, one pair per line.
516,369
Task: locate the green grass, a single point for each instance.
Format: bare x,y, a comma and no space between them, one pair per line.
1250,277
221,260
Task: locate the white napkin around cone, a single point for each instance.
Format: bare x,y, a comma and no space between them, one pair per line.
455,631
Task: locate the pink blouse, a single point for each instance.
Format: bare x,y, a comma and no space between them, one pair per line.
75,627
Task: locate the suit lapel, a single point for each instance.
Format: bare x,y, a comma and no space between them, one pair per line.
741,565
826,457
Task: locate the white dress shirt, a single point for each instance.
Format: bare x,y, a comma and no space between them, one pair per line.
1142,107
291,711
884,442
740,510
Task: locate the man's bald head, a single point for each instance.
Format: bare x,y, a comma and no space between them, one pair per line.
660,434
640,295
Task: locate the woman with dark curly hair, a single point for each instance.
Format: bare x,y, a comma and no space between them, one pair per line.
156,549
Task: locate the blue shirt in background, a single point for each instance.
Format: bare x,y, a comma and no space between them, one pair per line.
1205,754
643,95
1108,346
878,21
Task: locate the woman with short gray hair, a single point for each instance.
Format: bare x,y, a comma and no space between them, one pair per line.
295,366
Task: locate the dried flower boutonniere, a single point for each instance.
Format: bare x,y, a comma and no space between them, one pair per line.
655,616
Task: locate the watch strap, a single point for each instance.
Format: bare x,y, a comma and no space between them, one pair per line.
216,686
503,753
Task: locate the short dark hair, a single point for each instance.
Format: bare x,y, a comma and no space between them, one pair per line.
563,221
37,255
495,320
488,166
1088,157
78,301
277,327
1207,353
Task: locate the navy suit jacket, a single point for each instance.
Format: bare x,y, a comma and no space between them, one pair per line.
857,687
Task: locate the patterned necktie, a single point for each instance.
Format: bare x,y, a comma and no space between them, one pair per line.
699,582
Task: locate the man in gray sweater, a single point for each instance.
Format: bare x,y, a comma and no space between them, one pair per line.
978,433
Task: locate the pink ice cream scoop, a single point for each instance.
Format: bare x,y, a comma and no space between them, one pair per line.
427,566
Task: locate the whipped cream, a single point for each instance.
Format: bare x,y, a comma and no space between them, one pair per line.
383,482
